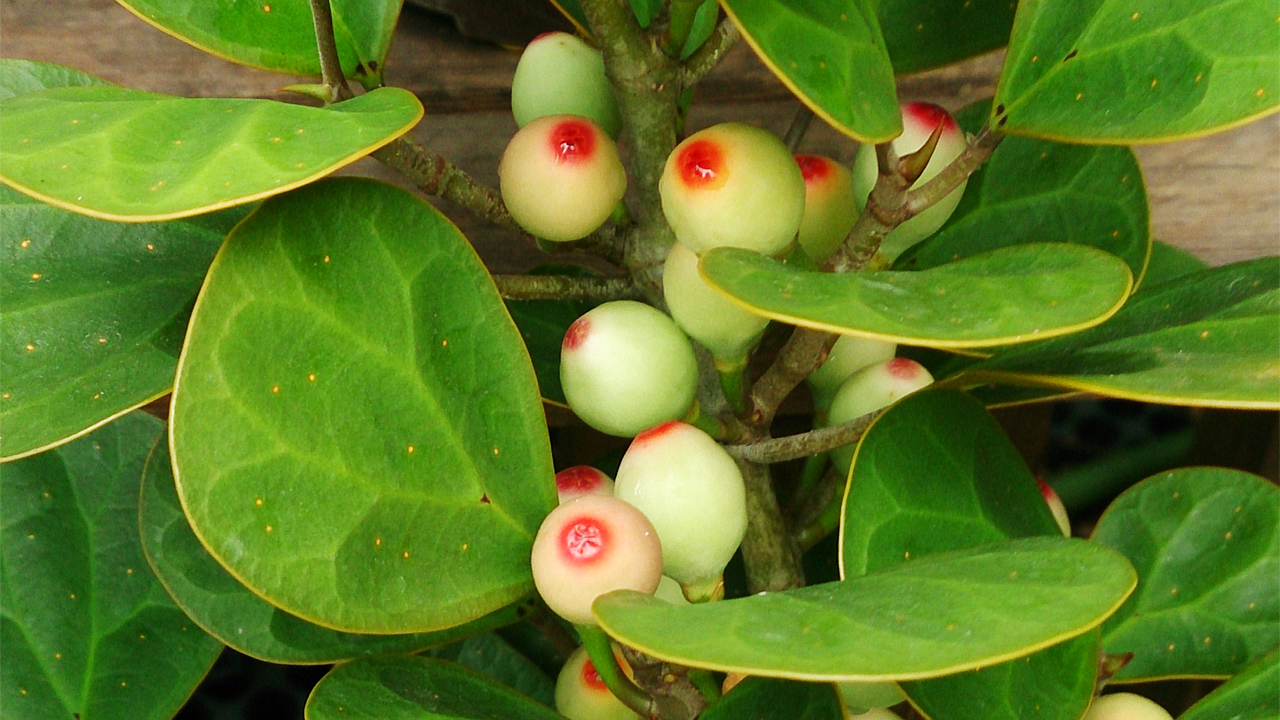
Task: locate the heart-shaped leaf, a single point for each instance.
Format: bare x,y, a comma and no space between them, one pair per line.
122,154
1210,338
357,433
92,315
1206,543
1035,191
227,610
1144,71
758,698
87,630
925,34
1015,294
278,35
935,616
1254,694
831,55
935,473
417,688
18,77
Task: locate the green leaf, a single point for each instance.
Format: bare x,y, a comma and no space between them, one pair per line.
1143,71
1014,294
416,688
1206,543
357,433
92,315
936,473
1169,262
1254,694
278,34
496,658
227,610
18,77
831,55
1208,339
925,618
758,698
1036,191
122,154
87,630
925,34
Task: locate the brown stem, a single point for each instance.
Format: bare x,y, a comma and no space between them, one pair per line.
705,58
434,175
330,66
793,447
803,353
771,557
564,287
799,126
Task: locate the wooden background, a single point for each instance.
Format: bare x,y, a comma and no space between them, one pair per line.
1215,196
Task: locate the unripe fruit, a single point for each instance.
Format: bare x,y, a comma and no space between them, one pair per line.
732,185
582,695
870,389
830,209
918,123
561,177
670,591
1056,507
692,492
877,714
850,354
1125,706
582,480
590,546
625,366
723,327
559,74
864,697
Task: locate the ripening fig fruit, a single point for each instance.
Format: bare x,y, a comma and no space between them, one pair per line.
626,366
1125,706
864,697
829,206
582,695
876,714
1056,507
873,388
670,591
918,123
561,177
723,327
582,480
850,354
590,546
693,493
559,74
732,185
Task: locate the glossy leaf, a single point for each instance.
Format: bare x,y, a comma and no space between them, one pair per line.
1169,262
936,473
247,623
357,433
1143,71
416,688
1254,694
929,617
1206,543
87,630
496,658
122,154
1014,294
278,34
1037,191
758,698
1209,338
18,77
925,34
92,315
831,55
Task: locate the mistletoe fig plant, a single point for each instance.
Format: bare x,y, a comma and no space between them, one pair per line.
318,419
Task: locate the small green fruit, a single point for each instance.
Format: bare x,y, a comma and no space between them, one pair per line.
582,695
1056,507
830,209
865,697
1125,706
850,354
582,480
876,714
723,327
918,122
561,177
559,74
590,546
626,366
692,492
732,185
873,388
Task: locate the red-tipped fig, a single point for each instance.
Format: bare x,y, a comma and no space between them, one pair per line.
829,206
582,695
850,354
873,388
582,480
1056,507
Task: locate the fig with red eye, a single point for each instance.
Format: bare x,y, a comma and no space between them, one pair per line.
830,209
582,695
582,480
873,388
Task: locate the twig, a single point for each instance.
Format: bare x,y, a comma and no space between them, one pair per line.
705,58
799,126
803,353
771,557
434,175
330,65
792,447
564,287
